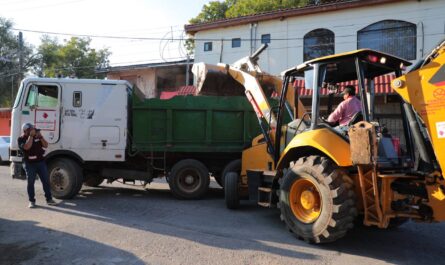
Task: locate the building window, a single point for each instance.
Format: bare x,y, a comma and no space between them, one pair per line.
391,36
317,43
236,43
265,38
207,46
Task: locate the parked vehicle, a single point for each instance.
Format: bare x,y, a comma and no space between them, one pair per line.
4,149
320,177
102,130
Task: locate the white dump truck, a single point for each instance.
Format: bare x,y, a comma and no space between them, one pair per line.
105,129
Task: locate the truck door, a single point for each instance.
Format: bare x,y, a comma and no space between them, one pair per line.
42,108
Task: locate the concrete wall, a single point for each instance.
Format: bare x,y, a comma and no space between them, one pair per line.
428,15
144,79
152,81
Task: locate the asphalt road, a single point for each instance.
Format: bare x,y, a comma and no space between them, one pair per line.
117,224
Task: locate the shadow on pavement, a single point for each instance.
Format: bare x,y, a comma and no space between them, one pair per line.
410,243
208,222
204,221
32,244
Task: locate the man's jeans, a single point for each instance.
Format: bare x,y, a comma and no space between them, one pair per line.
32,169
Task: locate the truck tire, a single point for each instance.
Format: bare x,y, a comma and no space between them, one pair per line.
189,179
231,190
65,177
317,200
232,166
93,181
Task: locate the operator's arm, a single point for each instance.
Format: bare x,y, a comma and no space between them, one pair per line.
28,143
337,113
42,140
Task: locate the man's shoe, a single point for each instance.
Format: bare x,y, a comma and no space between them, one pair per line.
51,202
32,205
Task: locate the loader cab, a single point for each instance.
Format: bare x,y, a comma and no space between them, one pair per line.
330,74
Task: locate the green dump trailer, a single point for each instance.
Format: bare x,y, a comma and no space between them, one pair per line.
189,138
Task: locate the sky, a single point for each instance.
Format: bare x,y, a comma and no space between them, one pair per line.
163,19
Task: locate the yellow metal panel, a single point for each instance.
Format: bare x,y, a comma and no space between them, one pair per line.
427,95
436,202
324,140
255,158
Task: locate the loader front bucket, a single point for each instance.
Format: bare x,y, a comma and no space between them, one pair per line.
212,80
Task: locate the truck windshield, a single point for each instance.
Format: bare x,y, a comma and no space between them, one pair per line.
17,98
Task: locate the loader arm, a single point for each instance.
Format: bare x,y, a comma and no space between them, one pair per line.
424,89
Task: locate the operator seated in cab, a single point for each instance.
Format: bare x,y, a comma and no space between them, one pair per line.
346,111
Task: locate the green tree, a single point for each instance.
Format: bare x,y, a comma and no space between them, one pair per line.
74,58
250,7
214,10
9,62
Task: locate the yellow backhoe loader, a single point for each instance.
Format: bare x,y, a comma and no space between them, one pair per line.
322,178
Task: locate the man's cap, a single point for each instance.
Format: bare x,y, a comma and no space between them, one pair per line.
27,126
349,89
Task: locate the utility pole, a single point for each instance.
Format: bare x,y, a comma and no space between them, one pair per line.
12,89
20,52
187,70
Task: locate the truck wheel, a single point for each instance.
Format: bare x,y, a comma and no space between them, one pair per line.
189,179
231,190
317,200
232,166
65,177
93,181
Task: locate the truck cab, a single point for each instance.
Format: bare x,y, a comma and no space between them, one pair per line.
84,121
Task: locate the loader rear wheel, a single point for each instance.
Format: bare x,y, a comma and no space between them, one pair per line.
189,179
231,190
65,177
317,200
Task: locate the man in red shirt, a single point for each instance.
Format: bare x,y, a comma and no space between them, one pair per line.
31,143
346,110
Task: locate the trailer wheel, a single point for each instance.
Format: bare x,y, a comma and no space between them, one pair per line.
93,181
65,177
231,190
232,166
189,179
317,200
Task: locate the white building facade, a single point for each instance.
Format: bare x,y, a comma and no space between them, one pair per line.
407,28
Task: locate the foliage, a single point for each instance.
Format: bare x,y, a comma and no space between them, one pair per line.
215,10
212,11
73,58
9,62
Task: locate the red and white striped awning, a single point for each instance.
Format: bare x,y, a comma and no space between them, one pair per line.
382,86
182,91
187,90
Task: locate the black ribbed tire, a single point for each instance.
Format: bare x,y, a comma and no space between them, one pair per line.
231,190
189,179
65,178
336,198
232,166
